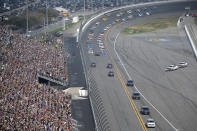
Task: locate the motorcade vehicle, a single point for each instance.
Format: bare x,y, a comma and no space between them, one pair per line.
136,95
145,110
93,64
111,74
110,66
130,83
150,123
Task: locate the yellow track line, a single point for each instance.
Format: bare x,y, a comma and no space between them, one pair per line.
123,83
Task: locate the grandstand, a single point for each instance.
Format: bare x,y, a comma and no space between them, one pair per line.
25,104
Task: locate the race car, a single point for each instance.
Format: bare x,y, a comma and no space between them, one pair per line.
90,51
172,68
104,19
182,64
97,54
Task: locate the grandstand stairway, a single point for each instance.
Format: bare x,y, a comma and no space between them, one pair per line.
52,80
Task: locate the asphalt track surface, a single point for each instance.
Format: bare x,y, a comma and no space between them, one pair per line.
172,93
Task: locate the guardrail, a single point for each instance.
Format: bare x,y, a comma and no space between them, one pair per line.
96,102
100,116
101,120
192,38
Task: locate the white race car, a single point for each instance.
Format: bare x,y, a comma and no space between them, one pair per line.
118,15
172,68
147,13
101,46
182,64
90,51
129,11
97,23
150,123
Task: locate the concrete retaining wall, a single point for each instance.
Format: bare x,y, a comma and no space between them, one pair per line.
192,38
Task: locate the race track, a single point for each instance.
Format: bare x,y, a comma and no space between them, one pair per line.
172,95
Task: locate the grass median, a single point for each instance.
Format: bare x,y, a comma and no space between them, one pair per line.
195,20
152,25
67,26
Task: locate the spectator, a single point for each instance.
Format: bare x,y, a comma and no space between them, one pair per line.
24,103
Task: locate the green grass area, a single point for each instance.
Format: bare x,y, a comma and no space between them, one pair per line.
56,30
195,20
67,26
152,25
70,25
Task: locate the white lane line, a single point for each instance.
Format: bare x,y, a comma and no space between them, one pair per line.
138,90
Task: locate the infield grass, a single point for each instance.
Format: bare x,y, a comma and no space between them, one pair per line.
152,25
67,26
195,20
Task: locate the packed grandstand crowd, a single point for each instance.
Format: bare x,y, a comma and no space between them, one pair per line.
25,104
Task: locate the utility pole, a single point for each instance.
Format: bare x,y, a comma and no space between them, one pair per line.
84,10
103,3
47,14
92,6
27,17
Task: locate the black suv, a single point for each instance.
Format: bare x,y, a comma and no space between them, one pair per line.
110,66
130,83
136,96
144,110
111,74
93,64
